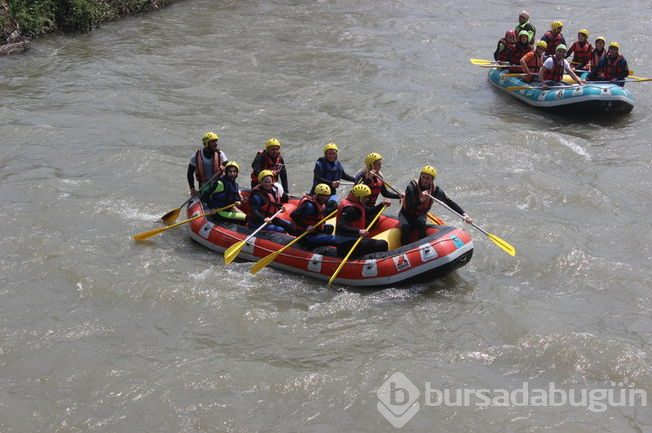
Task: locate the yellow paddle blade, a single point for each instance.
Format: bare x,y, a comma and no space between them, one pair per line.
518,87
260,264
148,234
481,61
171,216
232,252
505,246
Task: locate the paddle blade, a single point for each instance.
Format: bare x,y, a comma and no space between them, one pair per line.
171,216
481,61
232,252
150,233
504,245
260,264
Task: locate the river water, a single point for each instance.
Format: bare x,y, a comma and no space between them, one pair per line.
99,333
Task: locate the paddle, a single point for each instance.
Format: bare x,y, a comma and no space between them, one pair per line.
232,252
172,216
150,233
339,268
260,264
504,245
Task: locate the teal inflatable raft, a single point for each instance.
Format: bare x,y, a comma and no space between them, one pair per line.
590,98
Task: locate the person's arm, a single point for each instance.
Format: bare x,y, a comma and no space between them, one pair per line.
347,177
441,196
412,197
256,202
389,194
191,178
499,48
572,73
283,175
625,69
257,164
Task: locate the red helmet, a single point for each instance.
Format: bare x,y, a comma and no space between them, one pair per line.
510,34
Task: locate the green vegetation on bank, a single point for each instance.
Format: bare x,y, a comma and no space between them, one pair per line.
34,17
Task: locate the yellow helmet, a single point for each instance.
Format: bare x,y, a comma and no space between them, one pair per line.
361,190
614,44
542,44
584,32
556,24
429,169
272,142
232,164
371,158
209,136
263,174
601,38
331,146
322,189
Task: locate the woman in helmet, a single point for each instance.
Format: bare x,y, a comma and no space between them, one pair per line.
328,170
372,177
505,47
612,67
310,210
207,163
599,51
352,223
226,192
553,37
265,202
532,61
582,50
270,159
417,204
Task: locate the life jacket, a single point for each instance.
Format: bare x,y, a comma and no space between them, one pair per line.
557,71
330,171
506,54
517,54
613,69
313,219
200,173
376,186
422,208
533,61
597,56
347,202
552,39
271,200
581,53
230,193
269,164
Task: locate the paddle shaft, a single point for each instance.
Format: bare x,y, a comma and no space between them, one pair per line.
148,234
346,258
455,212
281,210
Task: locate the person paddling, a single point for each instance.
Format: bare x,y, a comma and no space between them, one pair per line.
612,67
582,51
532,61
371,176
352,221
554,37
310,210
552,71
225,192
418,202
329,170
271,159
265,202
206,162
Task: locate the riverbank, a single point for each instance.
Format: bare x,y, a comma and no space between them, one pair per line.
23,20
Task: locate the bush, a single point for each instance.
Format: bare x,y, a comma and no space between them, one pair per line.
33,16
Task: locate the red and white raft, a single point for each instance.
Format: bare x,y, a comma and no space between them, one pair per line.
444,249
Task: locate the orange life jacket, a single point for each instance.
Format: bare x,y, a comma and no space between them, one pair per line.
311,219
506,54
614,69
360,222
271,200
270,164
557,71
200,173
533,61
581,53
553,39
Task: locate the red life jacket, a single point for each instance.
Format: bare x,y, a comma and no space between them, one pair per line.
557,71
506,54
422,208
360,222
554,39
614,69
271,200
596,57
581,53
376,186
314,218
200,173
517,54
269,164
533,61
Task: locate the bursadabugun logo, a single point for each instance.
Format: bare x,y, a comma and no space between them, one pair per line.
398,399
